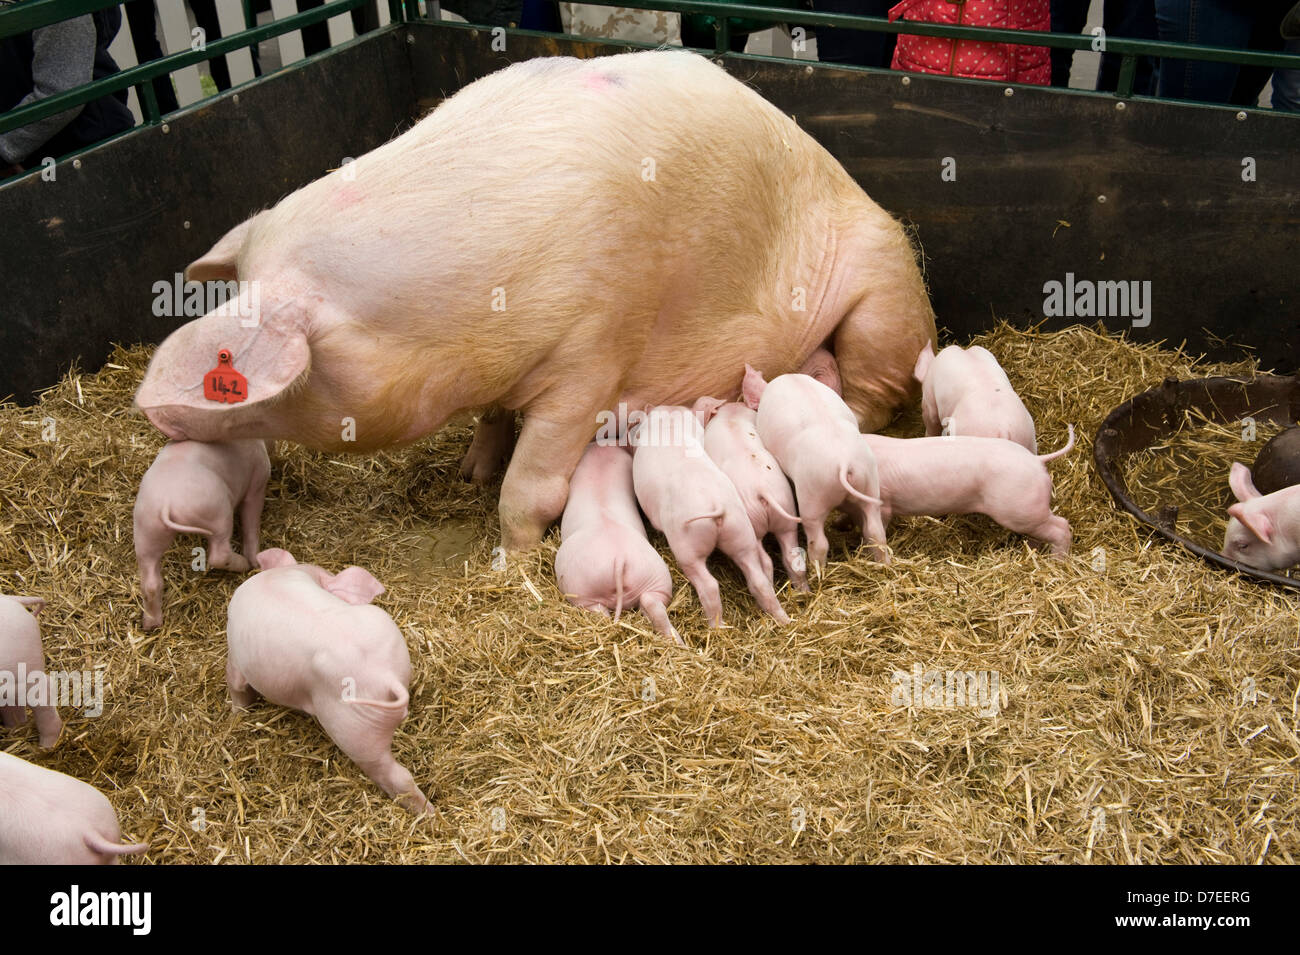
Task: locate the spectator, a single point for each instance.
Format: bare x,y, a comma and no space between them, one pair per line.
143,24
51,60
1130,19
855,47
205,15
1252,25
1286,83
975,59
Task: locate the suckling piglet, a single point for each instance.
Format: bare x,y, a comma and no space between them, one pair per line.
308,639
47,818
963,475
965,392
814,437
687,496
731,441
194,487
605,562
1263,529
20,645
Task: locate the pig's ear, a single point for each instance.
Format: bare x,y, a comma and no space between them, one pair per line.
752,387
34,604
705,408
219,263
1240,481
1255,520
275,557
356,585
268,347
923,361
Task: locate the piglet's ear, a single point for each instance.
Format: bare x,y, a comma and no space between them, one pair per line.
923,361
1240,481
356,585
34,604
705,408
752,387
1255,520
275,557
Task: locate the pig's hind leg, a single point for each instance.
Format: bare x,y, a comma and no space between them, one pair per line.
242,694
494,439
220,554
148,558
743,548
793,557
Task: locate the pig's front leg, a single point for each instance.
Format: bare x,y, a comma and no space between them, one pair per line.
250,519
48,725
536,484
12,716
494,438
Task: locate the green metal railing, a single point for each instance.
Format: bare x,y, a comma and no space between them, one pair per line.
29,15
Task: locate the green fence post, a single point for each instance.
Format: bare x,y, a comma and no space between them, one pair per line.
149,102
722,35
1127,73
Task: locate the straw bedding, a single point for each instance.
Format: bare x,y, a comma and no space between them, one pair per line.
546,734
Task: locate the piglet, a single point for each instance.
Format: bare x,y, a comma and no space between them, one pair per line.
731,441
966,392
687,496
963,475
308,639
814,437
605,561
193,488
47,818
20,645
1263,529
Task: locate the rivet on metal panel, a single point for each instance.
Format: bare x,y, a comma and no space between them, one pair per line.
808,70
1121,106
907,81
1101,198
166,128
410,37
1008,92
186,224
235,98
1241,114
76,164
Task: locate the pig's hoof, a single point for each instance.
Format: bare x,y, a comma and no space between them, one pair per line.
152,623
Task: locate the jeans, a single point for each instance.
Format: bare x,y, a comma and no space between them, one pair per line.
1286,84
1249,24
1130,19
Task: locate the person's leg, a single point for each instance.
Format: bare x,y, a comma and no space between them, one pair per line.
1205,23
1286,84
1068,16
1132,20
315,38
1265,37
855,47
144,37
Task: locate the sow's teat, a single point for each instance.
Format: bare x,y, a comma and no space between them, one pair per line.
223,383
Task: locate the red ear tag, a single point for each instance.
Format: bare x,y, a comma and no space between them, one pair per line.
223,383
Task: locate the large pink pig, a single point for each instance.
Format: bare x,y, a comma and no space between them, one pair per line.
1263,529
677,225
814,437
308,639
605,562
962,475
965,392
47,818
687,496
194,487
731,441
21,653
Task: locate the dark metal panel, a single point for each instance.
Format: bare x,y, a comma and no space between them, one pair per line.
1025,208
81,254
